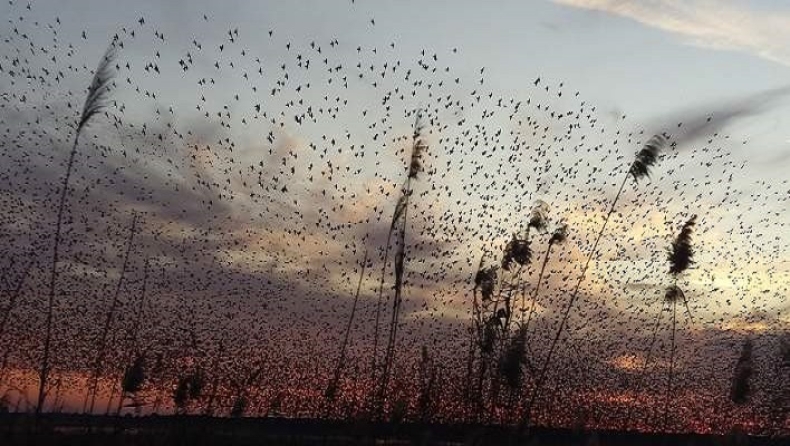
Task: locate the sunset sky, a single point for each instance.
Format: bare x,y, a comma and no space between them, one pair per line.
260,179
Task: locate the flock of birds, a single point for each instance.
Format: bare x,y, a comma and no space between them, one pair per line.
260,170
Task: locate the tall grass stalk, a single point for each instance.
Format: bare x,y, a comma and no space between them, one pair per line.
648,357
95,103
376,328
102,350
671,365
331,391
640,168
212,396
680,256
398,228
133,336
135,333
482,341
559,235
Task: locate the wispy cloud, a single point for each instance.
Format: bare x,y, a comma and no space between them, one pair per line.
715,24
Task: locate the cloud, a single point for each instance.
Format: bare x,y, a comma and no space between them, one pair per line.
689,125
719,25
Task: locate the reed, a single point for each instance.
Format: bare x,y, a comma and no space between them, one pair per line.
681,257
558,236
331,391
398,230
640,168
95,102
102,348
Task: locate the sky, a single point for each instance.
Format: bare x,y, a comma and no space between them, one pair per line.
260,180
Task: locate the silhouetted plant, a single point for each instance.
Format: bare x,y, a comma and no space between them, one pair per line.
741,381
400,409
134,355
680,256
197,383
5,404
239,406
559,235
181,394
102,348
640,168
517,250
513,359
188,388
538,216
488,324
490,334
134,376
503,352
275,406
647,157
242,399
331,391
398,229
485,281
95,102
132,381
427,383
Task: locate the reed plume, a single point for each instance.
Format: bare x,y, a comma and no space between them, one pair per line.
485,280
95,102
493,311
681,254
647,157
538,216
517,250
681,257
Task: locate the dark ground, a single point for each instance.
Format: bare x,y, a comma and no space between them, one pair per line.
63,430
